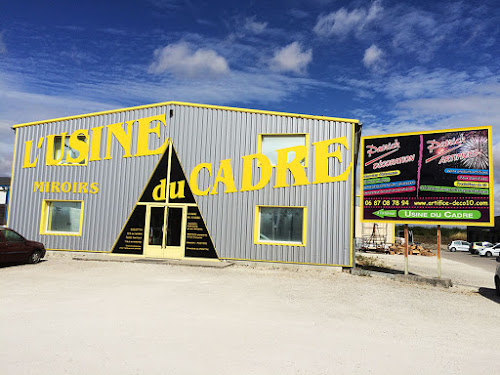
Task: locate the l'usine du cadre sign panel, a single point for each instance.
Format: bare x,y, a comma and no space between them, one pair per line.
428,178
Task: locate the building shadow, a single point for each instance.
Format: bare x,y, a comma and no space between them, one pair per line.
489,293
383,270
16,264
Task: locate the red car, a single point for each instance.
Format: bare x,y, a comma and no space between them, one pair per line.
16,248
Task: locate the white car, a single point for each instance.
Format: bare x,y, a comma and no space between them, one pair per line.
458,245
475,246
490,251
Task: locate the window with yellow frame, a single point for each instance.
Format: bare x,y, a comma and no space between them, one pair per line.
269,143
62,150
62,217
280,225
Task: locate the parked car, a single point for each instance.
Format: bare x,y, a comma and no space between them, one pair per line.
458,245
497,278
475,246
490,251
16,248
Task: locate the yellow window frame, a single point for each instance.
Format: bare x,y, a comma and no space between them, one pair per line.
45,219
257,240
64,151
306,140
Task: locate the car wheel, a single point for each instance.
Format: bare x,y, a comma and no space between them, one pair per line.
453,249
497,285
488,253
35,257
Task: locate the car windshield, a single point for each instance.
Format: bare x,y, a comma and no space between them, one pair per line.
11,236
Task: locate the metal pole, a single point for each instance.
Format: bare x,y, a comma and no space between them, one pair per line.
439,249
406,249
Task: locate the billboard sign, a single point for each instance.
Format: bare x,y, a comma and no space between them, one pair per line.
440,177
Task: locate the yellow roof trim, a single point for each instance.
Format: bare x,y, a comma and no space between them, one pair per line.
324,118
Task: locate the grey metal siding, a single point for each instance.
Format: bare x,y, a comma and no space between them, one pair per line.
199,135
220,134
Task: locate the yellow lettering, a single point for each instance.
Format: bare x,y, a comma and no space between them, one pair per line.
295,167
79,145
145,131
225,175
194,177
159,193
66,187
180,189
265,172
38,186
54,187
95,145
49,155
94,188
82,187
321,160
123,137
27,154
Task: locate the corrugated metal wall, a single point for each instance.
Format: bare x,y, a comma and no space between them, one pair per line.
199,135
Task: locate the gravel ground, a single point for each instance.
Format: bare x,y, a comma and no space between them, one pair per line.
82,317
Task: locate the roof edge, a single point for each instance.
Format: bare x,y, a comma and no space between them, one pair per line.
188,105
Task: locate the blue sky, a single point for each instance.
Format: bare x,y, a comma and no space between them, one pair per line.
395,65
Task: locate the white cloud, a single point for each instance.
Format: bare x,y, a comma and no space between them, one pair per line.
496,164
254,26
180,60
412,30
3,47
299,14
342,22
251,87
373,58
420,33
167,4
291,59
419,82
6,149
484,105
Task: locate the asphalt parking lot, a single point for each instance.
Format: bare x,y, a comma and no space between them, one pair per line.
486,263
84,317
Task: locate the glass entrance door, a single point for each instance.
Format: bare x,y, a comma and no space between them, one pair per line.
166,231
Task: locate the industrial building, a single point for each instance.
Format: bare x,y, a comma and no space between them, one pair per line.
181,180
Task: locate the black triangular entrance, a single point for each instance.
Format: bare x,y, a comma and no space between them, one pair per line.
198,243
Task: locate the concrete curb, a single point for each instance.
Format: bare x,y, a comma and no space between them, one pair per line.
180,262
435,281
410,279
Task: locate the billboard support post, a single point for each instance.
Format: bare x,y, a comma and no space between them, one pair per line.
439,250
406,249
